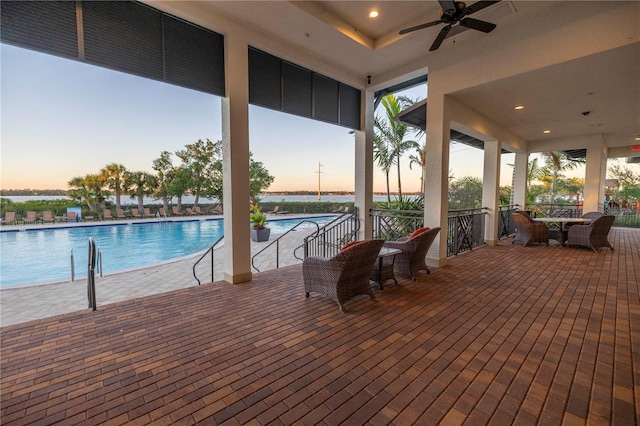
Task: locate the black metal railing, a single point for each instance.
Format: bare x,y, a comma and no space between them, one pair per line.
506,227
332,236
282,237
465,230
465,227
210,251
554,210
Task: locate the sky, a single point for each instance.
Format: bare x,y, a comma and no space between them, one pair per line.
61,119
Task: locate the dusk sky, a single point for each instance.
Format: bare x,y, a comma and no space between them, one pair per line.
61,119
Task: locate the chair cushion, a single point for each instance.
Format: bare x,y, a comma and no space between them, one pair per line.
351,244
418,232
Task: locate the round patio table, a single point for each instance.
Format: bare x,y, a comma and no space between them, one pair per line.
560,234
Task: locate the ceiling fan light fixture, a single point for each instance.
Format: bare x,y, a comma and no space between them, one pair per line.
373,14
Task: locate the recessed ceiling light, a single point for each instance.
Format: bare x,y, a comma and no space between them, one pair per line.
373,14
637,138
519,107
546,131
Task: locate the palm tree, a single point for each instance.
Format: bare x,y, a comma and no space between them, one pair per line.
115,177
555,163
141,184
420,158
89,190
164,169
391,135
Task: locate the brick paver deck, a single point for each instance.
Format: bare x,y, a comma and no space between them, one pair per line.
502,335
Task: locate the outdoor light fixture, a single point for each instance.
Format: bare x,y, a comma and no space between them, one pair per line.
373,14
546,131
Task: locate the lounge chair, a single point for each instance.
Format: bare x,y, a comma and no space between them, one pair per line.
71,217
136,213
147,212
47,217
275,210
344,275
190,211
528,230
31,217
120,214
594,235
217,209
162,212
106,214
9,218
176,211
338,210
198,210
414,249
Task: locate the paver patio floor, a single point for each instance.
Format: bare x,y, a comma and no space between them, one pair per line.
502,335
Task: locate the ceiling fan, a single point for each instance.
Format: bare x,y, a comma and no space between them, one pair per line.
454,12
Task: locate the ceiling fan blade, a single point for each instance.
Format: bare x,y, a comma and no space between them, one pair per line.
475,24
421,26
479,6
447,5
441,35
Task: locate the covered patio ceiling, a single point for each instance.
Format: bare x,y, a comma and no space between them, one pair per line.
596,94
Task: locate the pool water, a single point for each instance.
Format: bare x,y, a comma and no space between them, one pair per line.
44,255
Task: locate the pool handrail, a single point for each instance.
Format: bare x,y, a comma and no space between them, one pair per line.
277,243
202,257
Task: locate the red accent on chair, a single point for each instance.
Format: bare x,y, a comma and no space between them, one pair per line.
351,244
418,232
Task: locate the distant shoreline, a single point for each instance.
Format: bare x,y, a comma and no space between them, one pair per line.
62,192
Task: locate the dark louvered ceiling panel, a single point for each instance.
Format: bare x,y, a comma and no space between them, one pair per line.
41,25
125,36
194,56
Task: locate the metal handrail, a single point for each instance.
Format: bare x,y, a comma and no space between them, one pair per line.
277,243
202,257
91,277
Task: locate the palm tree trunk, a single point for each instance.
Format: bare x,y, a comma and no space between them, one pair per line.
388,187
399,180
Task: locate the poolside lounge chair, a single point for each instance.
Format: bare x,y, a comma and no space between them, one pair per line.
338,210
528,230
217,209
106,214
135,213
190,211
31,217
162,212
176,211
9,218
47,217
71,217
594,235
120,214
414,252
147,212
198,210
344,275
275,210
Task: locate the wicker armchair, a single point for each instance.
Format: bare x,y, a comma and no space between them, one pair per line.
588,215
528,230
414,251
344,275
593,235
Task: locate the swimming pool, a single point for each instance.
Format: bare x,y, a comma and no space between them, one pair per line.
36,256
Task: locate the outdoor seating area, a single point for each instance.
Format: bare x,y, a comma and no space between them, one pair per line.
591,230
471,343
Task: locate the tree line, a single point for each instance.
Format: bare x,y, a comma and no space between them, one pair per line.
195,170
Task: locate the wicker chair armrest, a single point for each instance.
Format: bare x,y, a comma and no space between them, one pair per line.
395,244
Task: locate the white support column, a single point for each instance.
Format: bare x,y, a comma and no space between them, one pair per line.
436,200
520,182
235,153
364,167
490,188
594,178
